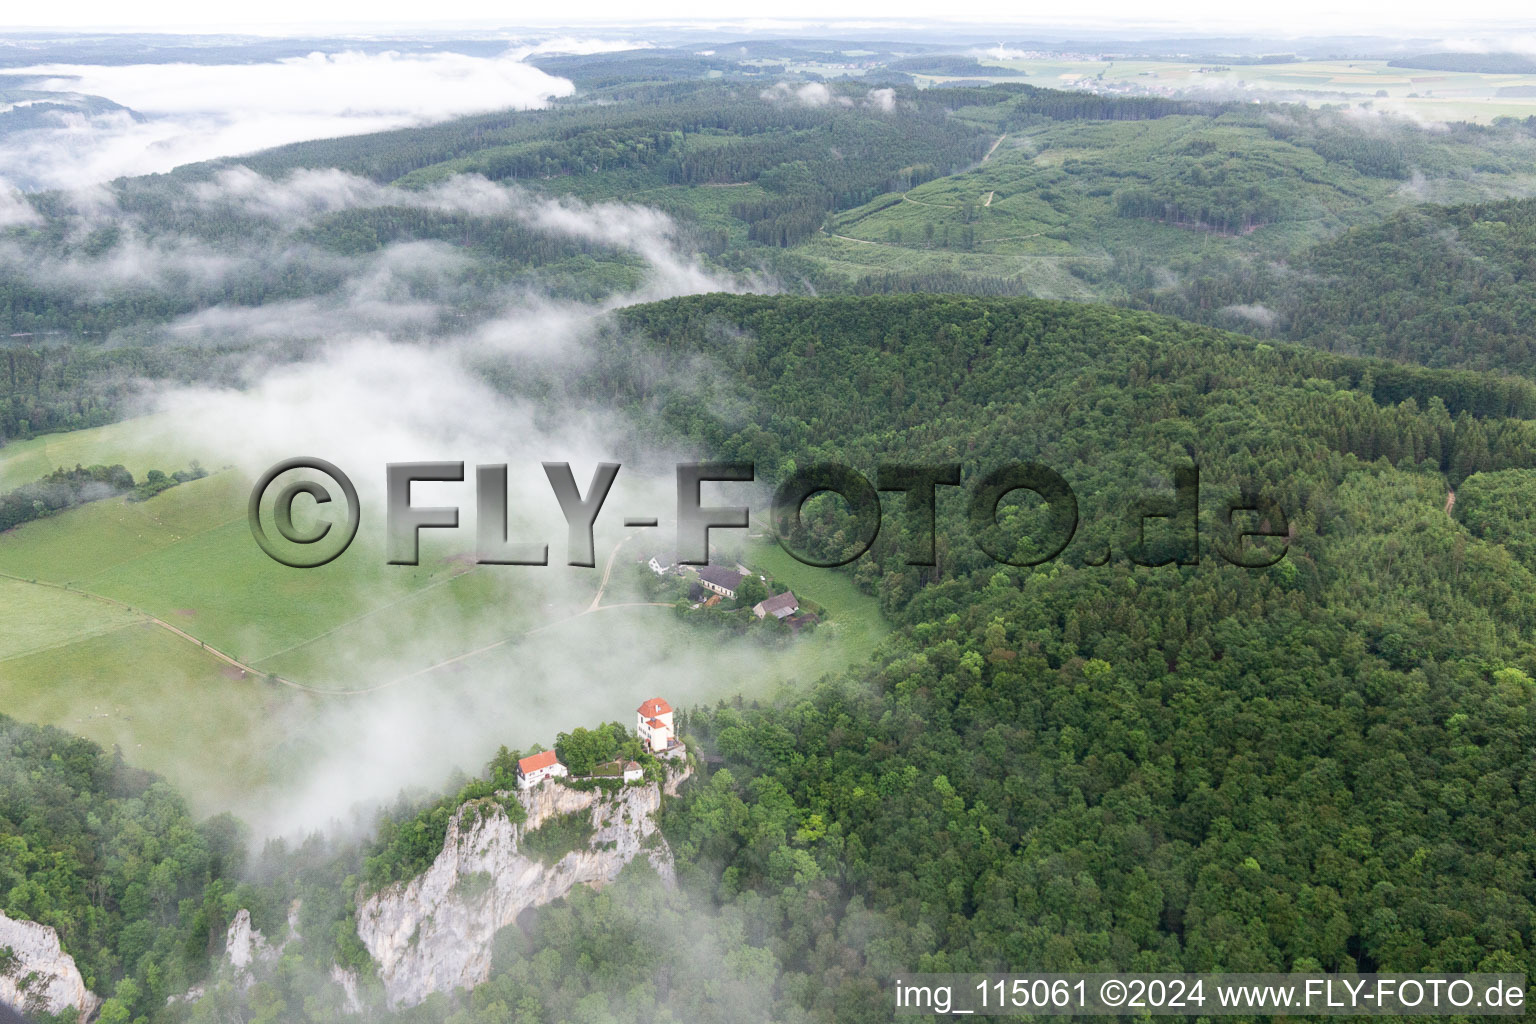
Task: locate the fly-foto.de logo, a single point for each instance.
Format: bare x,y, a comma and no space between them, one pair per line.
1258,529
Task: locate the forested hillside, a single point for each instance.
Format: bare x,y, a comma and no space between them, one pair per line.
1324,763
1221,212
109,857
1090,764
1439,286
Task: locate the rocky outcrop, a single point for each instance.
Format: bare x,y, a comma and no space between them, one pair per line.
245,950
347,981
433,933
244,946
36,975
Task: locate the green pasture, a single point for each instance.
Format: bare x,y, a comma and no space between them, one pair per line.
81,650
141,444
169,706
853,621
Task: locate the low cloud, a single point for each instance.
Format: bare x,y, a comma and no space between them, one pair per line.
817,94
183,113
1001,52
812,94
406,285
1254,313
15,210
1524,43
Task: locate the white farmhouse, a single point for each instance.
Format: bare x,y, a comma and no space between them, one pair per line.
535,769
721,580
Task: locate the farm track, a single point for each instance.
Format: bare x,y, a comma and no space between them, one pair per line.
1023,257
936,206
231,660
228,659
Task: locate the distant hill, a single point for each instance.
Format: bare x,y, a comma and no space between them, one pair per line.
1476,63
951,64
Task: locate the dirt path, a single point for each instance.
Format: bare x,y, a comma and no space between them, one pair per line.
919,202
591,609
989,198
602,584
409,596
850,238
504,641
1450,501
988,255
999,142
228,659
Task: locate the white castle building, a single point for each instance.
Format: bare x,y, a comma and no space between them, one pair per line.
655,728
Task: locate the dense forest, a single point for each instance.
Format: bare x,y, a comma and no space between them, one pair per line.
1111,767
91,300
1437,286
1477,63
110,858
1091,764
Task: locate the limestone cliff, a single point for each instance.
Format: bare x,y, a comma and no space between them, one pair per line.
433,933
36,975
244,945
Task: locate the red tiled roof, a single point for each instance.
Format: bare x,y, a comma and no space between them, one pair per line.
632,766
529,765
656,723
653,707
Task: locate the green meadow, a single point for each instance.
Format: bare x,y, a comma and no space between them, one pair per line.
140,444
853,619
167,705
109,607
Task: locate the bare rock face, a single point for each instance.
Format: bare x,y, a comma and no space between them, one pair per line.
36,975
433,933
245,950
347,981
244,945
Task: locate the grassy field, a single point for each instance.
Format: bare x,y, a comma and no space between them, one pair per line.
853,617
1042,211
139,444
108,607
167,705
40,619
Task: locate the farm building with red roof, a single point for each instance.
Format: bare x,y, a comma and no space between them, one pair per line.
535,768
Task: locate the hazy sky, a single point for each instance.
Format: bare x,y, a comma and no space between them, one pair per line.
1302,17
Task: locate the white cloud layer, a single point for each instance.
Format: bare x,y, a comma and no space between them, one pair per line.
369,396
191,112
